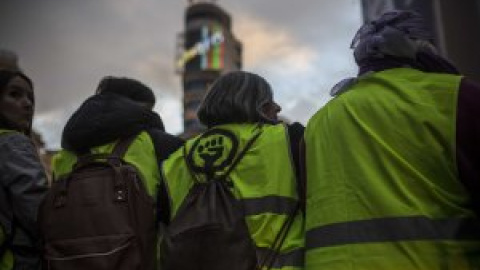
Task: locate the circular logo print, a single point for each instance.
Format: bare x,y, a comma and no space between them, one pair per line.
213,151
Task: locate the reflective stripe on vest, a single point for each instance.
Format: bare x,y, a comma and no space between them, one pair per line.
267,192
293,258
141,154
393,229
269,204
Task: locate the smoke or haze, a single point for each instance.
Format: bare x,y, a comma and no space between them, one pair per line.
66,46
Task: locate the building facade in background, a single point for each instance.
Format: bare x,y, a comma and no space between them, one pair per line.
206,49
455,24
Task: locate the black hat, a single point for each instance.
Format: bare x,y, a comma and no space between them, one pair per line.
128,88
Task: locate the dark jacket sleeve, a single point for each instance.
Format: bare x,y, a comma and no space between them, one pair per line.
468,138
165,144
23,183
295,132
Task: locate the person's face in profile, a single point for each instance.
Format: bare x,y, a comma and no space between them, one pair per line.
16,103
271,110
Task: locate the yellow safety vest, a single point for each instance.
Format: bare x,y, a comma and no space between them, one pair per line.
382,185
264,181
141,154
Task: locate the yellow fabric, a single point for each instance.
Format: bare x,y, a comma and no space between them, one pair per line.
365,162
265,170
141,154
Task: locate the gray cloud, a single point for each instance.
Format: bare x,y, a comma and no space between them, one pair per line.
67,46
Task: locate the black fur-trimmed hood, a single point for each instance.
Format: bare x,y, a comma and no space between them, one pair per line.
104,118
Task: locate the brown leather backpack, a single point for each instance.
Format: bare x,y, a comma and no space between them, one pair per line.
99,217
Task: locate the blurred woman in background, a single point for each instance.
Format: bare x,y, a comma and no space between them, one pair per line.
22,176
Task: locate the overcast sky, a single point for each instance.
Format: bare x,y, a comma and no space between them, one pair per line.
66,46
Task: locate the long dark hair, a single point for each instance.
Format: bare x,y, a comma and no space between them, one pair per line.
5,77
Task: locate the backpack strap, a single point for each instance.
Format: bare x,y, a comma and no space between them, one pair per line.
122,146
279,239
117,154
113,160
282,234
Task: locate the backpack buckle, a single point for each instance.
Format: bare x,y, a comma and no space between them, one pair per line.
120,194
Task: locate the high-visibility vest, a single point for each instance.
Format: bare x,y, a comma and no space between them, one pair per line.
383,191
141,154
6,260
263,181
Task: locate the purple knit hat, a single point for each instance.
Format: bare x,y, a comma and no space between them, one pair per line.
398,35
394,34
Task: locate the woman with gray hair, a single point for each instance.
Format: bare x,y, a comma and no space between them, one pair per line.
393,159
239,97
248,149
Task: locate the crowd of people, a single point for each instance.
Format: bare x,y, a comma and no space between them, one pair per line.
383,176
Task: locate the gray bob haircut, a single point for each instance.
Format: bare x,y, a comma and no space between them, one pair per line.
235,97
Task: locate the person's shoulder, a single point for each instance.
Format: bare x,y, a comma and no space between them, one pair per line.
164,143
295,130
16,144
296,126
160,135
